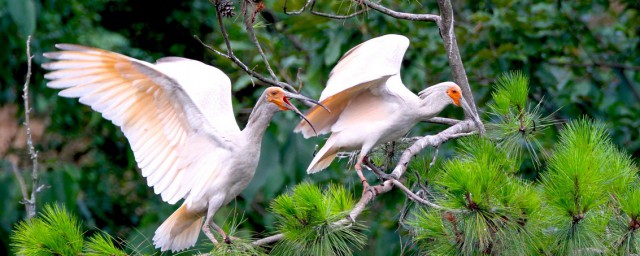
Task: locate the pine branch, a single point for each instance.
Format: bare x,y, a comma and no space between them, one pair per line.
415,197
464,128
268,240
458,128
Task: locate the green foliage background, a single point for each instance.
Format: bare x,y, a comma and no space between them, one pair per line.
582,57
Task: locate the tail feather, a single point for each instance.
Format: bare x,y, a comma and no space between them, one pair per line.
180,231
322,163
324,157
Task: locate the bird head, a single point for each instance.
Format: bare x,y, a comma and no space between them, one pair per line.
280,98
440,95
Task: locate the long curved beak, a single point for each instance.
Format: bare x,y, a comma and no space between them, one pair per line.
476,119
294,109
300,97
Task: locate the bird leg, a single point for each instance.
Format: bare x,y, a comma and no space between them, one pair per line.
214,205
207,231
227,239
358,168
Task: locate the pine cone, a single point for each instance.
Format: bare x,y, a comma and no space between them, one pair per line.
225,7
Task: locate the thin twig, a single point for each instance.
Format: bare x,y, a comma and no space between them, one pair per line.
312,3
31,203
419,182
248,21
304,7
464,128
229,55
416,198
445,22
400,15
435,156
300,84
404,211
457,129
23,185
334,16
380,174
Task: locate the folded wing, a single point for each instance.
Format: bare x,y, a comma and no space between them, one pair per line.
366,66
159,107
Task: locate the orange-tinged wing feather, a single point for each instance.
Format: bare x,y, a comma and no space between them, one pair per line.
156,113
365,66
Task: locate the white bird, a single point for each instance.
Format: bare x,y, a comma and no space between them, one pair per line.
178,118
369,103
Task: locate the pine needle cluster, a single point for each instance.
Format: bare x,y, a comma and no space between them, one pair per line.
517,123
305,217
58,232
489,209
590,182
237,248
240,245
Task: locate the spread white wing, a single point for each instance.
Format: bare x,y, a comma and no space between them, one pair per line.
366,66
159,107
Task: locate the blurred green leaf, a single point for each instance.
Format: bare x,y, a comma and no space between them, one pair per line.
23,13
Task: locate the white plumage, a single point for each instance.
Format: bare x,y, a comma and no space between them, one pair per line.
370,104
178,118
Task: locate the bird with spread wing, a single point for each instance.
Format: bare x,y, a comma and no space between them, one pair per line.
178,118
370,104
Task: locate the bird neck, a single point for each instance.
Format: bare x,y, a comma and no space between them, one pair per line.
431,106
259,120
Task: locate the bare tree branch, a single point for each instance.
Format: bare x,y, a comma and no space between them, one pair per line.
417,198
446,24
312,3
334,16
268,240
248,21
35,189
443,120
229,55
464,128
404,211
400,15
23,185
457,129
304,7
435,156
